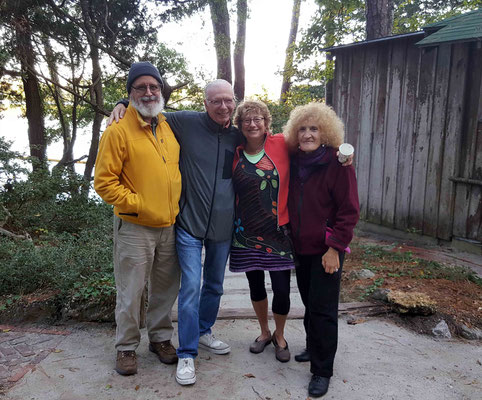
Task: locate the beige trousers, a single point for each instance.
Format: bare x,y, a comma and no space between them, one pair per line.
144,254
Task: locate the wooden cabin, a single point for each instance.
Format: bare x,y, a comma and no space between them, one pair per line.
412,107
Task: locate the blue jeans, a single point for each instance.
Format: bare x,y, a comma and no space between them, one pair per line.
198,308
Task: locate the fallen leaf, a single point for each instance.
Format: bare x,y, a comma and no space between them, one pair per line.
249,376
137,387
108,386
6,330
58,351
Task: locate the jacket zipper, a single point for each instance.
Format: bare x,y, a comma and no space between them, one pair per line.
153,128
300,203
214,188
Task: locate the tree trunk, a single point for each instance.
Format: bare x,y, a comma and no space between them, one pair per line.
329,84
239,72
96,94
379,14
33,100
288,68
67,154
97,98
222,39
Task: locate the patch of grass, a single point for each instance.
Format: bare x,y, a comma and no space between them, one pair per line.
405,264
427,269
370,289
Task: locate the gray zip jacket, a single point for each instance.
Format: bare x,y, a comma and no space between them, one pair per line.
206,160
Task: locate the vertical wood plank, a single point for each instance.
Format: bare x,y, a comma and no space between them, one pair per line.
392,129
436,146
378,142
352,121
475,222
364,143
346,60
423,121
456,146
405,156
337,82
472,152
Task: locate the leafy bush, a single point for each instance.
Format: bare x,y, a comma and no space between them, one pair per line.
58,262
71,232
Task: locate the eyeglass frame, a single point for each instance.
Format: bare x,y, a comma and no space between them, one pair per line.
143,88
219,102
256,120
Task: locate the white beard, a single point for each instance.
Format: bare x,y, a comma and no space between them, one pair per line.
148,110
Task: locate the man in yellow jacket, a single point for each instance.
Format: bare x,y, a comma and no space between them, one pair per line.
137,171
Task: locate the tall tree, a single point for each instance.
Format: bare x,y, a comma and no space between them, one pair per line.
290,49
18,16
222,38
238,56
379,15
93,32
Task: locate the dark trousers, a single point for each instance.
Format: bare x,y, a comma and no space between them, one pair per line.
320,294
280,284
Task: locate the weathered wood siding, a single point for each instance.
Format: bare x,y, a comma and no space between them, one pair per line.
415,118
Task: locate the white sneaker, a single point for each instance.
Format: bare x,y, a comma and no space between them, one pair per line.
186,373
216,346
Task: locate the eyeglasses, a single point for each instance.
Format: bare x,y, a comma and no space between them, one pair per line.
143,89
218,102
256,120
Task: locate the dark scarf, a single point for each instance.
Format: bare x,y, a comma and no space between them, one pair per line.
307,162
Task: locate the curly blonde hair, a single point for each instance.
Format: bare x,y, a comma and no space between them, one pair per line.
252,105
323,116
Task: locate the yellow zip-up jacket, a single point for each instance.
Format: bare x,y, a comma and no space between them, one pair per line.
138,172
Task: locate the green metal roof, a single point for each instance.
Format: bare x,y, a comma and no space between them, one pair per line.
461,28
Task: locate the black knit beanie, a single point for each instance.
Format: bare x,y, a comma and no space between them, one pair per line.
142,68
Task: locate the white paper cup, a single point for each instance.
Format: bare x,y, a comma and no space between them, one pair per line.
345,151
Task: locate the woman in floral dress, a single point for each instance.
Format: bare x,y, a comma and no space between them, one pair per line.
261,238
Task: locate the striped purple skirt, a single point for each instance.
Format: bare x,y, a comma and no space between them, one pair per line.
244,260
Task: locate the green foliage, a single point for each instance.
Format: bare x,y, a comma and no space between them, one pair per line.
72,234
10,166
298,95
412,15
58,262
418,268
368,291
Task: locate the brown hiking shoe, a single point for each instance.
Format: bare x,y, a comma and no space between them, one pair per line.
126,363
165,351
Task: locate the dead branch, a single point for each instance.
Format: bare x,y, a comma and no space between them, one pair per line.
14,235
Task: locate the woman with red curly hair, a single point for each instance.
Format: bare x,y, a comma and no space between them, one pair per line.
323,210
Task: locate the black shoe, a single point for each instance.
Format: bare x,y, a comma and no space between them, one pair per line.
304,356
318,386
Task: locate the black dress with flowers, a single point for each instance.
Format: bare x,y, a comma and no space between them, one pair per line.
258,242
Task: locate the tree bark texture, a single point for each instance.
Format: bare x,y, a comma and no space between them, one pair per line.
222,39
379,15
31,85
67,154
288,67
96,93
239,48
